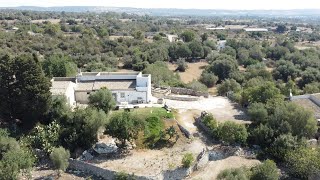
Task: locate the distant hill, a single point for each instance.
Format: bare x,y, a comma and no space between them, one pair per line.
175,12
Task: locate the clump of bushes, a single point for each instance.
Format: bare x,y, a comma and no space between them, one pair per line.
209,79
211,123
187,160
228,132
123,176
145,127
153,130
267,170
197,86
182,65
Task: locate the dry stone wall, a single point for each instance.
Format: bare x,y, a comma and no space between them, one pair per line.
101,172
190,92
179,173
179,98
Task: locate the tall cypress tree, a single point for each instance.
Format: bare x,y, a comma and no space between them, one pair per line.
26,90
6,91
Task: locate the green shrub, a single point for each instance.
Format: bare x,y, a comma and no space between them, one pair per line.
187,160
59,157
209,79
45,137
228,85
211,123
153,130
258,112
266,171
197,86
303,163
234,174
123,176
182,65
232,133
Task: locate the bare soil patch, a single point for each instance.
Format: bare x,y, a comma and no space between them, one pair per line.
192,73
148,162
221,107
306,45
53,21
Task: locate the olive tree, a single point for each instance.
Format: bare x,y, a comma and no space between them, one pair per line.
124,127
102,99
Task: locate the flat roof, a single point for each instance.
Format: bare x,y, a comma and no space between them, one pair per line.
109,84
106,73
115,84
59,87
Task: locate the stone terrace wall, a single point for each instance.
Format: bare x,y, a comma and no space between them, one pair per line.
203,127
179,98
190,92
179,173
104,173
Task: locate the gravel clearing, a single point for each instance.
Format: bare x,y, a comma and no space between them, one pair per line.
204,104
221,107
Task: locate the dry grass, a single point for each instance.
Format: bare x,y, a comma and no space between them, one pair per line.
307,45
117,37
192,73
53,21
213,91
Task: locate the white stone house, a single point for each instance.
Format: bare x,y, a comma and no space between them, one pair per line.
132,88
172,37
221,44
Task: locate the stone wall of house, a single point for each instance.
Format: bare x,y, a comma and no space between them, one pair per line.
190,92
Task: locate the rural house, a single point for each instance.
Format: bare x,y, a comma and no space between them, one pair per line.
129,87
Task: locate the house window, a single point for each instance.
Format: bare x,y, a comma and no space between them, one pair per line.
122,95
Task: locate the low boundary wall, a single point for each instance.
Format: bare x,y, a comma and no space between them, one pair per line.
103,173
177,98
185,91
179,173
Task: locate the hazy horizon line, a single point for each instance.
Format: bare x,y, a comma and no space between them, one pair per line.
165,8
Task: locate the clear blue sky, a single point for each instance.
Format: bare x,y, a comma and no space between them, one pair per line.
185,4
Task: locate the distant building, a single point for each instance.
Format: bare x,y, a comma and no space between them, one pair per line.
221,44
256,29
132,88
215,28
172,38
